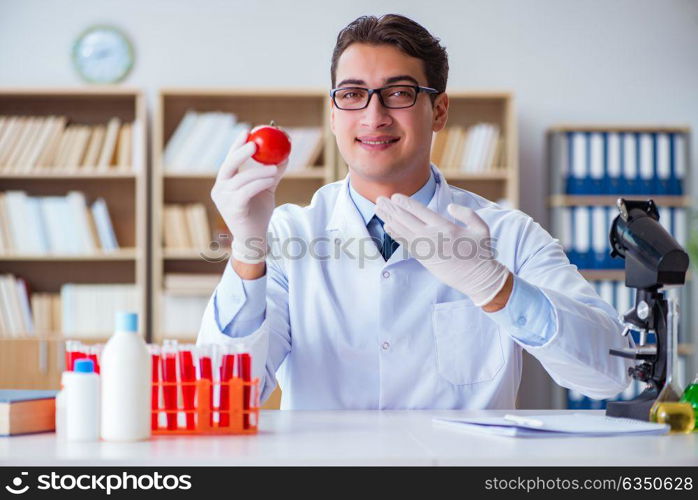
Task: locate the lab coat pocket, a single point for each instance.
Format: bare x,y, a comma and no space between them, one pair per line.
468,343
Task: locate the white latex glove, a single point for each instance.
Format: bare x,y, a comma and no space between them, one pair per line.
245,199
460,257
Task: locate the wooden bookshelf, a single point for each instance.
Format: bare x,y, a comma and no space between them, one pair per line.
288,108
124,189
468,108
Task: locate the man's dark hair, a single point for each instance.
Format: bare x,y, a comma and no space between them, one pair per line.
393,29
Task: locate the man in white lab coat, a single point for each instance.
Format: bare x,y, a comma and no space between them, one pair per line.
393,289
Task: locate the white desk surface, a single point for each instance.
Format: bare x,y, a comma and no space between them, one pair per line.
357,438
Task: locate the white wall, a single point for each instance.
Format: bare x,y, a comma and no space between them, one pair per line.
615,61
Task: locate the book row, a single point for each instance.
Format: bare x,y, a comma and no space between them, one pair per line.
201,142
185,226
474,149
78,311
621,162
30,144
584,233
54,224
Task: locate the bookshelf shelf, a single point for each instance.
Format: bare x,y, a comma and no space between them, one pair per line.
122,184
69,176
559,200
127,254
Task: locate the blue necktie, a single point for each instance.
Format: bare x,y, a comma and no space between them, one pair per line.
388,245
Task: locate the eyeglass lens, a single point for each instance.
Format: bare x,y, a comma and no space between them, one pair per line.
393,97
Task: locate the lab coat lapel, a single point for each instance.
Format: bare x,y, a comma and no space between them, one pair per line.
349,229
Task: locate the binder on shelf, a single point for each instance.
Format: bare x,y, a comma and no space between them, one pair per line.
612,161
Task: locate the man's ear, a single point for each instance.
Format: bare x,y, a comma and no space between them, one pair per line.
440,112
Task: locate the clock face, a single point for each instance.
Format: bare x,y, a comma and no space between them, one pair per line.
102,54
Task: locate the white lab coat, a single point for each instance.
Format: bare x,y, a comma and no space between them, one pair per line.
344,333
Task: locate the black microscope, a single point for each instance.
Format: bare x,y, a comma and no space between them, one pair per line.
653,260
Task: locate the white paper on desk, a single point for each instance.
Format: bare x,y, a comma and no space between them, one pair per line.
568,425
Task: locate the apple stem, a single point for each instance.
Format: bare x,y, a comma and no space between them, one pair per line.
272,123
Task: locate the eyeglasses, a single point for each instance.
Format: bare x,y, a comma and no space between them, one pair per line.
392,96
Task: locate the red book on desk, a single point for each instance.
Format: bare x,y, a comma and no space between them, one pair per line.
26,411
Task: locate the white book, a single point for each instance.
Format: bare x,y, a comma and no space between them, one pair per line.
105,230
109,146
6,289
630,167
581,229
17,213
579,166
78,219
36,225
178,138
25,307
182,314
614,166
188,157
596,164
218,142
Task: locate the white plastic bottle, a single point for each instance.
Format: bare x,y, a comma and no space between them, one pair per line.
60,410
125,370
81,402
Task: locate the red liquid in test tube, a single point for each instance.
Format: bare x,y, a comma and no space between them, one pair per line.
206,373
187,375
227,365
169,377
245,370
155,393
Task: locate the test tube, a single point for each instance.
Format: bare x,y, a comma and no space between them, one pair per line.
226,370
154,350
94,352
245,373
168,365
187,376
74,350
205,356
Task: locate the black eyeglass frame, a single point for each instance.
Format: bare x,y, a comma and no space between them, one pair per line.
417,88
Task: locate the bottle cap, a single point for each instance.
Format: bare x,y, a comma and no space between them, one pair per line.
84,365
126,322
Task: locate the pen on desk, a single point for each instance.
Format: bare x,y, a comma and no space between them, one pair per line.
524,420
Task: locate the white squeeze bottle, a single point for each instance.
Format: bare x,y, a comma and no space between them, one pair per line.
81,402
126,383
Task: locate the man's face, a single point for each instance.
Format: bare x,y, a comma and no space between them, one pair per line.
404,134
